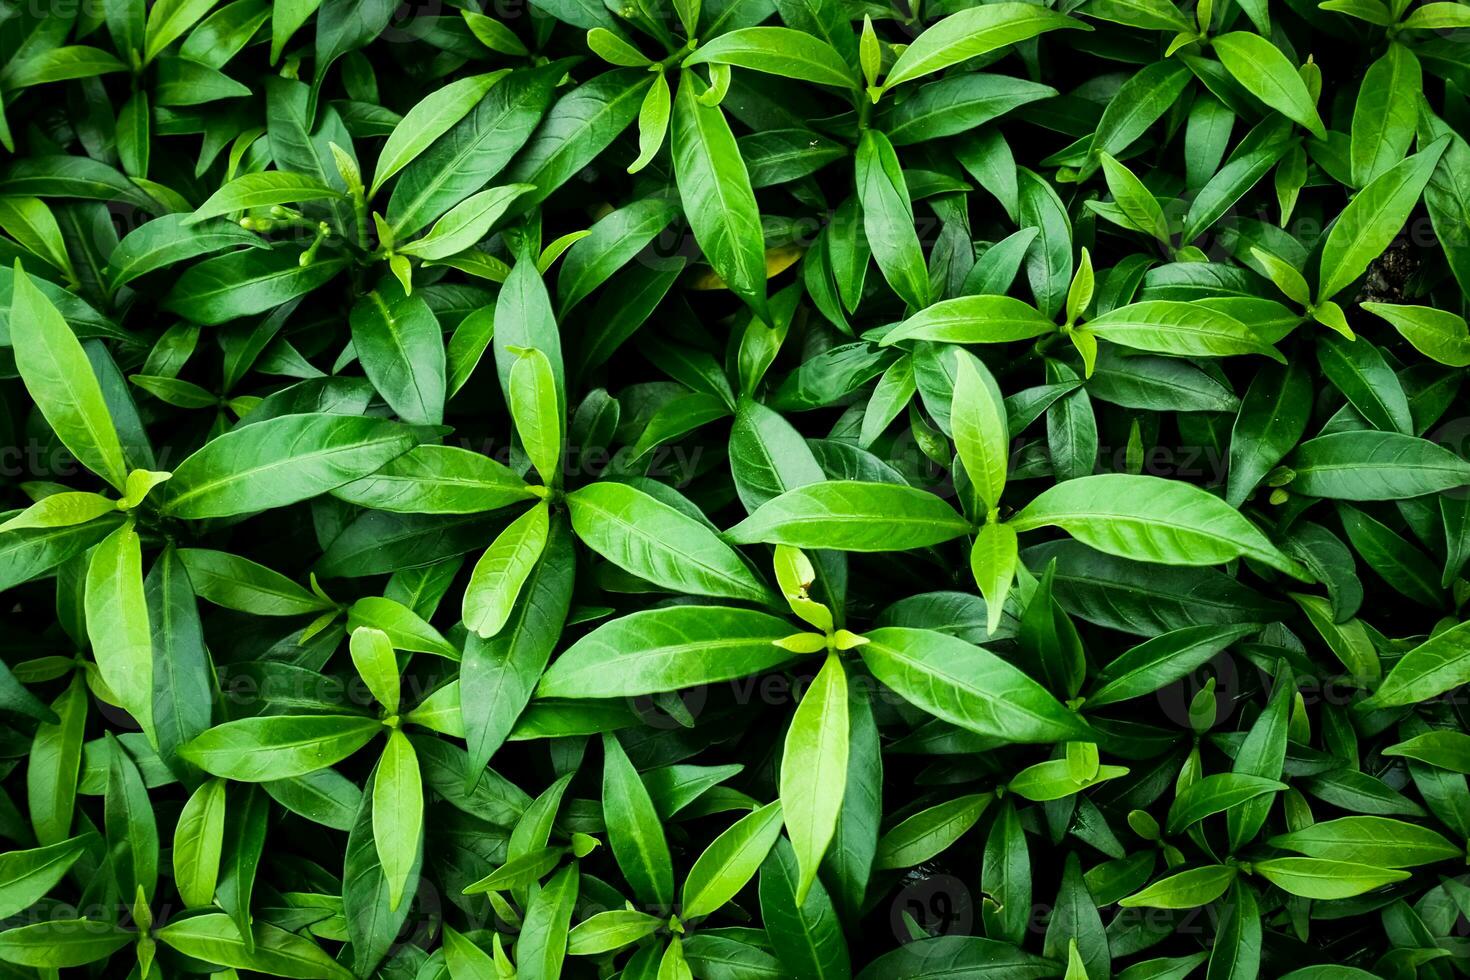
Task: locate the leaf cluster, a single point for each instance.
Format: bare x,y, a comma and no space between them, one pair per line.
734,489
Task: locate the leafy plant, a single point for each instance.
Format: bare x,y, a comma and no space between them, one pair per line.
734,490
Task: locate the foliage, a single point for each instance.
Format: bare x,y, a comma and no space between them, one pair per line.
743,489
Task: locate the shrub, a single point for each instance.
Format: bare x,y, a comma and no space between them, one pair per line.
743,490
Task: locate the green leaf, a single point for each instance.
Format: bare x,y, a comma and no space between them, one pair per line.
966,685
427,121
403,627
398,814
582,124
633,829
777,51
261,190
1261,68
1437,334
463,958
1162,660
60,64
475,146
933,958
973,320
1371,220
1179,328
62,943
1262,754
993,561
1260,150
543,942
1216,794
27,876
1377,841
1358,370
59,378
612,930
54,763
1272,419
117,623
660,543
956,105
431,479
254,750
806,936
1151,519
377,665
238,583
1076,921
664,650
978,421
730,861
1049,258
714,188
1135,200
401,347
814,770
502,570
615,240
198,843
851,515
1141,101
282,461
171,239
498,675
1386,113
1006,877
1442,749
1185,890
465,224
213,938
971,33
30,222
536,407
1367,465
888,219
1322,879
243,283
1441,663
929,832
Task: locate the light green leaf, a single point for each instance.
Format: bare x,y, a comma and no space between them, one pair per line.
777,51
966,685
398,814
850,515
261,190
633,829
971,33
814,770
661,544
714,187
59,377
730,861
281,461
665,650
502,570
1371,220
1179,328
1148,518
427,121
117,623
1266,73
256,750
